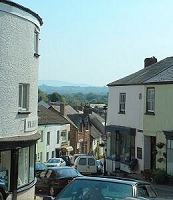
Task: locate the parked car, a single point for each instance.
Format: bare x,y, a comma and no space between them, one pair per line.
98,188
3,190
53,180
39,167
99,166
86,164
55,162
66,159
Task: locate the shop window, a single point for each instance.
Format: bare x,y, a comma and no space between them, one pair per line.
26,165
150,101
122,102
5,167
23,97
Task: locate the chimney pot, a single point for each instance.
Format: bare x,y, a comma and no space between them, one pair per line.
149,61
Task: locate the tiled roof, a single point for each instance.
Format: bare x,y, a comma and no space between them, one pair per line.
144,75
46,116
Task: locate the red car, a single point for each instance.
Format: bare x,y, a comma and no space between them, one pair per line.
53,180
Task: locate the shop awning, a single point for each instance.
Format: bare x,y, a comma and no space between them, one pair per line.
120,129
18,141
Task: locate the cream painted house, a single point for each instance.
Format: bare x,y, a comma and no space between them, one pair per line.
139,120
54,130
19,59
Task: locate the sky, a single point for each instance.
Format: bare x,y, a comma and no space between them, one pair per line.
96,42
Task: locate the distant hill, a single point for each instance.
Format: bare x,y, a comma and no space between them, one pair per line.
74,89
56,83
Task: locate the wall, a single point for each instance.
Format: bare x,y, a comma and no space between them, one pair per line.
134,107
17,65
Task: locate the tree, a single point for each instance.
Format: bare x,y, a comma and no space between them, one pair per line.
55,97
42,96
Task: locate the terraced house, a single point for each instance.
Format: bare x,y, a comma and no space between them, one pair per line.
19,37
140,118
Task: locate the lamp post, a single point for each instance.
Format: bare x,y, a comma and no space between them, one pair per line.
105,139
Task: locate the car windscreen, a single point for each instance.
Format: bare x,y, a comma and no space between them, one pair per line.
67,172
54,161
40,166
95,189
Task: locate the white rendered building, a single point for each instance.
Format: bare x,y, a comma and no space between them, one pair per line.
19,36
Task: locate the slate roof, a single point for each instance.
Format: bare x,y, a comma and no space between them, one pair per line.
77,118
67,109
96,122
142,76
46,116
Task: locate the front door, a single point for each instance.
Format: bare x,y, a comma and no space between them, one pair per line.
153,153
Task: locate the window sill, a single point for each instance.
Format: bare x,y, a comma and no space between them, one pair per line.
121,112
36,55
149,113
24,112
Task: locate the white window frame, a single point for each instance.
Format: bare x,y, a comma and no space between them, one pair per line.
122,102
24,100
150,100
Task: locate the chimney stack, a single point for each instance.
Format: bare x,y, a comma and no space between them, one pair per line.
149,61
62,108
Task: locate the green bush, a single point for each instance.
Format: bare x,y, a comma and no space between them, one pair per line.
160,176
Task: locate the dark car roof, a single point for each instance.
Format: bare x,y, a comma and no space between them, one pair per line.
132,182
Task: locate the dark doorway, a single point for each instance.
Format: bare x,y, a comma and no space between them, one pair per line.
153,153
57,153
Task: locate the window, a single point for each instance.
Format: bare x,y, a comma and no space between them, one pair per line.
53,154
91,162
122,101
41,138
57,136
139,152
47,156
48,138
64,136
36,43
23,97
82,161
26,165
150,100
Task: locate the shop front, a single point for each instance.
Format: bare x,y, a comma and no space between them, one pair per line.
122,146
17,158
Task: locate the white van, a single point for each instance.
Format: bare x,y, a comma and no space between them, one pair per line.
86,164
75,156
